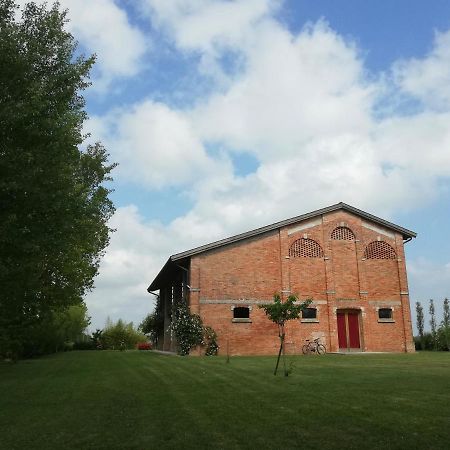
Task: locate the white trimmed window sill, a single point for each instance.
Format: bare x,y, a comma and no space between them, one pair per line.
309,320
386,321
241,320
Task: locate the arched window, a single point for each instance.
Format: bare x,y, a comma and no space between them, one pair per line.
307,248
343,234
379,250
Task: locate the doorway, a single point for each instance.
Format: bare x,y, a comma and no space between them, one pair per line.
349,330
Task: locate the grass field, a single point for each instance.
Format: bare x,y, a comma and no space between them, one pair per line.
142,400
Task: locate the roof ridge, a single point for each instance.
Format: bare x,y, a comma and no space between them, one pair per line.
279,224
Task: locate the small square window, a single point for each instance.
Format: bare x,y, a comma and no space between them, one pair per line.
309,313
385,313
241,312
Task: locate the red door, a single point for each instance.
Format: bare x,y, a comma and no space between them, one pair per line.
353,330
342,330
348,330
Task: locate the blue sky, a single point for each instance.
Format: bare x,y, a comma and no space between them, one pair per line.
229,115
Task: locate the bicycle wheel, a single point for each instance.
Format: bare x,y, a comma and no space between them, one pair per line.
305,349
321,350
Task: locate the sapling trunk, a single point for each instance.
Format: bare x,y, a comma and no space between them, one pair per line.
279,312
279,355
281,334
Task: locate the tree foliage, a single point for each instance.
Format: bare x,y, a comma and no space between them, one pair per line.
57,331
446,314
187,327
433,324
439,337
54,205
444,329
153,323
420,321
281,312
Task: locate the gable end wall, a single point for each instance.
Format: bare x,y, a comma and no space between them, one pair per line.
249,272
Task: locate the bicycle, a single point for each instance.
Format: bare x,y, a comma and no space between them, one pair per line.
314,347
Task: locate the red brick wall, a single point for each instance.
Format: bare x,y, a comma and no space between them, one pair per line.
250,272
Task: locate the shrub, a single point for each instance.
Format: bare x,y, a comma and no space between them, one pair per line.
210,340
153,323
188,329
190,332
120,335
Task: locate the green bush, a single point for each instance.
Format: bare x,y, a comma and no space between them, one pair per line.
153,323
188,329
210,340
121,335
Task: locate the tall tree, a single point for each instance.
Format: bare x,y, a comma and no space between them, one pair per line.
446,314
445,326
54,205
433,324
420,324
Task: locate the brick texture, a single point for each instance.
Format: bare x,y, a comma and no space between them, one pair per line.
342,280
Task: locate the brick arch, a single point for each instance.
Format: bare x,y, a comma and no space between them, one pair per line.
342,233
379,250
305,247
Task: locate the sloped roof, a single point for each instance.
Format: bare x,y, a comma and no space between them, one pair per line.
180,257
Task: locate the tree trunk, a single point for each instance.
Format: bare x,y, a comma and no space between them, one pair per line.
281,335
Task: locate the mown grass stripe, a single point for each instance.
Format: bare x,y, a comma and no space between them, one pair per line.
140,400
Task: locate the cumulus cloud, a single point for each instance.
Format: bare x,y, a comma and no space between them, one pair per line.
208,25
418,143
154,145
293,89
428,79
302,104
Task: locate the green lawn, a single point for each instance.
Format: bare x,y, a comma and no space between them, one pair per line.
142,400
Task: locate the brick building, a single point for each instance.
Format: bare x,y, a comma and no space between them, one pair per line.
351,263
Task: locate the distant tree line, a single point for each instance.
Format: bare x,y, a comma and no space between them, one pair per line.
439,336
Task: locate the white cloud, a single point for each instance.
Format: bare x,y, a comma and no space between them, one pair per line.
428,278
419,144
301,104
428,79
293,90
154,145
210,28
207,25
136,252
102,27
